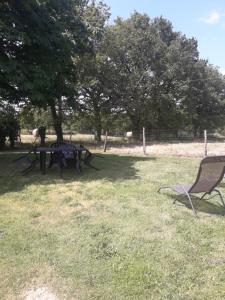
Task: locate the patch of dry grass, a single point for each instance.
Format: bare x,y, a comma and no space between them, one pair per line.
108,234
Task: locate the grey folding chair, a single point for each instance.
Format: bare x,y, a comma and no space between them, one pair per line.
210,174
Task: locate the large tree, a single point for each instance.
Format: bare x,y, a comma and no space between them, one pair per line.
133,50
95,71
40,43
149,62
153,75
204,99
179,56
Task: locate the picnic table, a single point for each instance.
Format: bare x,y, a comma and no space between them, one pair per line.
60,153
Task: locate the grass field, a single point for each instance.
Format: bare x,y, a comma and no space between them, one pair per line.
108,234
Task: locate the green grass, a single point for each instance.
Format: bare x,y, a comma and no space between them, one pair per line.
108,234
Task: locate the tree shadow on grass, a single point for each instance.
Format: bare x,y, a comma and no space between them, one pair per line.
201,205
112,168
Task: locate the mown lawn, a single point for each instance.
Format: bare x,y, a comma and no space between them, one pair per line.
108,234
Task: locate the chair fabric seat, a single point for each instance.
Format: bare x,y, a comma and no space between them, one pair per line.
210,174
181,189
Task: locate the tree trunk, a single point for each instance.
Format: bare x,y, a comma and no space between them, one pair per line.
201,133
136,128
194,130
98,135
57,123
58,131
2,139
98,124
157,133
98,132
12,140
42,131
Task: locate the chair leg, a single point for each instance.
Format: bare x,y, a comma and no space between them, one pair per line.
192,206
60,165
51,161
163,187
78,167
185,193
204,195
166,187
27,170
221,197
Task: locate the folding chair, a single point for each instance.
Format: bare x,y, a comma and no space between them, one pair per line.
31,158
210,174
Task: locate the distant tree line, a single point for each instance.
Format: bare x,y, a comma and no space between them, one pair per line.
63,64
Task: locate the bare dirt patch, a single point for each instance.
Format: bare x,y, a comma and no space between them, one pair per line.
40,294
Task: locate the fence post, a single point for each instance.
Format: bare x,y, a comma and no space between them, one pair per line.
105,141
144,142
205,143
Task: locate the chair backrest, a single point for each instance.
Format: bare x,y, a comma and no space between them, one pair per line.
65,148
58,144
210,174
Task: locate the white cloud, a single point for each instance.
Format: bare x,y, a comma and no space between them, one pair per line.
213,18
222,71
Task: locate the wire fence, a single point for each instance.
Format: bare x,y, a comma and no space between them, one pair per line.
144,142
130,137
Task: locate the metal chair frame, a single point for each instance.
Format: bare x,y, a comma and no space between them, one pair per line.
191,190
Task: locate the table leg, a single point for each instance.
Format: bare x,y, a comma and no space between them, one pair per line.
77,162
43,162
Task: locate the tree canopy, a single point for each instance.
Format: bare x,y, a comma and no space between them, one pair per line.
40,43
64,56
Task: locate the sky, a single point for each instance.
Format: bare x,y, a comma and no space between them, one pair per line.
202,19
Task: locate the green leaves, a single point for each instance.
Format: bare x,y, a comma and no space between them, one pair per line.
9,125
61,54
156,76
39,43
